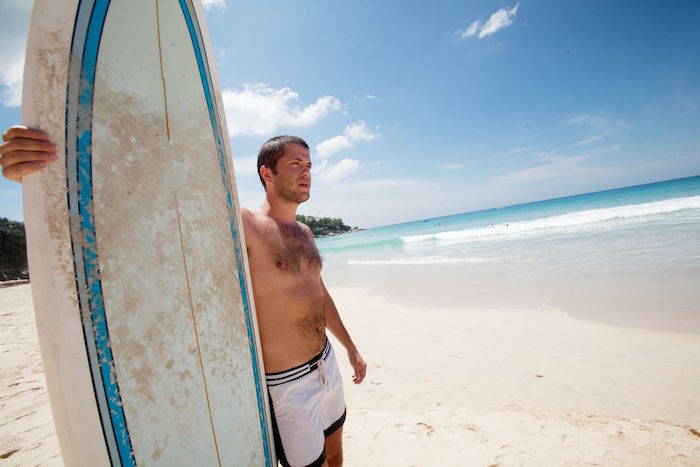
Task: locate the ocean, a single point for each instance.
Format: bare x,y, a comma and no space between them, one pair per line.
628,256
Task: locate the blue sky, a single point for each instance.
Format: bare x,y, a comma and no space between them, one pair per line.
420,109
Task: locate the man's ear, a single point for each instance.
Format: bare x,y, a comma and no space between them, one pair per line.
266,173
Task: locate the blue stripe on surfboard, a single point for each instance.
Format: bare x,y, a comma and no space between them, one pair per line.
72,111
90,19
200,53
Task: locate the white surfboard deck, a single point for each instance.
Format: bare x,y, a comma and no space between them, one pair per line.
136,252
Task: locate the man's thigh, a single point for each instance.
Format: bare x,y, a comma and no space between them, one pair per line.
334,448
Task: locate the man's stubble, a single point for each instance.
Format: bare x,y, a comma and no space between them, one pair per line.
289,194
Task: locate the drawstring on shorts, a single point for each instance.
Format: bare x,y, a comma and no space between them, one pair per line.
282,377
322,375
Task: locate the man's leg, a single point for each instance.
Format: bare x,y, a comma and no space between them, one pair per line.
334,448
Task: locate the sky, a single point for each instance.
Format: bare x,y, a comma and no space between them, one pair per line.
420,109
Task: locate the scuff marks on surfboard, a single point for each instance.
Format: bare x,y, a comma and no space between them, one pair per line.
87,33
115,218
217,126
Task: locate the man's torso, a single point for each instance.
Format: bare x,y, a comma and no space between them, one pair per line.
285,268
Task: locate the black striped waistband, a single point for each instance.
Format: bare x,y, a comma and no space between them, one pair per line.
275,379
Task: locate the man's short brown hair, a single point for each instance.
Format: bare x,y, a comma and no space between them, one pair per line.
273,149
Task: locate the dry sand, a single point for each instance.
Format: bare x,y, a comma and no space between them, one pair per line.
453,387
516,387
27,433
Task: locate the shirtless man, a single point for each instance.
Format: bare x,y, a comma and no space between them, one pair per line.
292,303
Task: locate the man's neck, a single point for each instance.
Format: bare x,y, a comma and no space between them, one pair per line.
281,211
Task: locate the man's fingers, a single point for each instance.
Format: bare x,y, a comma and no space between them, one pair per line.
20,131
359,374
18,164
25,150
16,172
26,144
22,157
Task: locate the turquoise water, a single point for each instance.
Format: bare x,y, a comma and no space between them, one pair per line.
628,251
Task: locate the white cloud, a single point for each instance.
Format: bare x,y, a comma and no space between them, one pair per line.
593,139
471,30
597,126
331,173
456,166
354,132
373,202
207,4
247,165
554,165
521,149
556,168
333,145
498,20
587,119
14,23
384,184
258,110
11,79
358,132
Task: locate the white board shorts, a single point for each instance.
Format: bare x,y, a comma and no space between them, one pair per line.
307,405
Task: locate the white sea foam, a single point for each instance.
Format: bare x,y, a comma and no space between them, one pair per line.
423,260
563,222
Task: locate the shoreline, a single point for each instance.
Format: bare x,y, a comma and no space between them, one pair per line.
13,283
446,386
601,299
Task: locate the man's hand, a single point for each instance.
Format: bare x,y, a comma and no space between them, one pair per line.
359,365
24,151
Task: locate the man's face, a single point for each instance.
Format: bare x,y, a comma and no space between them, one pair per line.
293,179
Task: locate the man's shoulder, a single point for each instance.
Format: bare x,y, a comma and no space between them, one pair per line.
256,222
256,227
307,230
252,222
247,214
251,216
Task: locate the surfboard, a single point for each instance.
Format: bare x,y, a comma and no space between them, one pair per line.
137,256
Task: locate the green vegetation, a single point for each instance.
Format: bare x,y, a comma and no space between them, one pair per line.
13,250
323,226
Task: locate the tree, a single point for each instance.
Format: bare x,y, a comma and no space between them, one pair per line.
323,226
13,250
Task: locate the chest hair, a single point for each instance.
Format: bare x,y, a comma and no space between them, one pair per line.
296,251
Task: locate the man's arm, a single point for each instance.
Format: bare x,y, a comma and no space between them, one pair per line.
24,151
336,326
248,227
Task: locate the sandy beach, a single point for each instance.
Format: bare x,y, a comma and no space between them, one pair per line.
517,387
27,433
453,386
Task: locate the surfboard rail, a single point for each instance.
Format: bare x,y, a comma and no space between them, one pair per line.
69,246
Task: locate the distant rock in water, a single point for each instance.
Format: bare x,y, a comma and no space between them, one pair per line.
325,226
